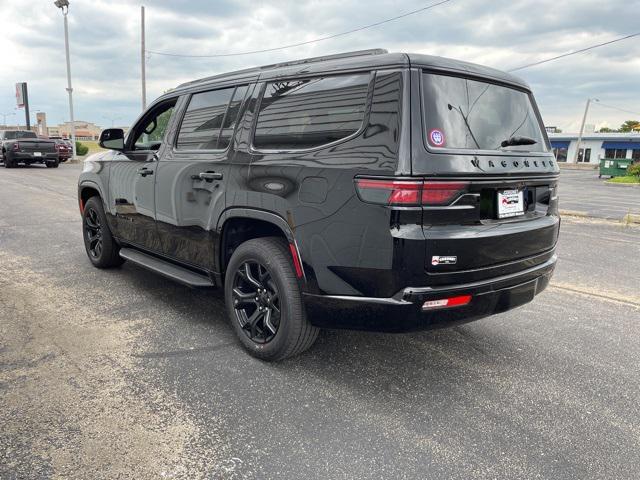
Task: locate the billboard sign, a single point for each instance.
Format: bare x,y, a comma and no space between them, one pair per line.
21,88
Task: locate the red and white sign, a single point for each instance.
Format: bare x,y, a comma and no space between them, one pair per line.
20,94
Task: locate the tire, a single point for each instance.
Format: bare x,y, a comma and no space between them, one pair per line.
52,164
99,244
8,163
269,263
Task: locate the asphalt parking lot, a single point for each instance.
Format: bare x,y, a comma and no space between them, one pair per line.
581,191
123,374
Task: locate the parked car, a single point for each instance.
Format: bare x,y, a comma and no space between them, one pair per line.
65,149
24,146
369,190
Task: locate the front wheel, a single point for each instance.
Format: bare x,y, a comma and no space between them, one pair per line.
102,249
264,301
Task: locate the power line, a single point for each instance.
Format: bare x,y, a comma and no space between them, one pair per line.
617,108
574,52
413,12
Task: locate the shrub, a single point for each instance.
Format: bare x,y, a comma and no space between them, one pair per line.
634,169
81,149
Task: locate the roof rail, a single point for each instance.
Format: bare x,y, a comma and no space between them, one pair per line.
337,56
324,58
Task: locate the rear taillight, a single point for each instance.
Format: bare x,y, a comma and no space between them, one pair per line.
442,193
408,192
16,146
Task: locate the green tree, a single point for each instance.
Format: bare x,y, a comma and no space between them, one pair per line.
607,130
630,126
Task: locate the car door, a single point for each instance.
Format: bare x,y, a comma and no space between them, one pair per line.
192,175
132,179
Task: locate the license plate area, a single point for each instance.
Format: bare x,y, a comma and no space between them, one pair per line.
37,154
510,203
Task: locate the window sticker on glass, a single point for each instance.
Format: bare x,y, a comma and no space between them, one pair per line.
436,138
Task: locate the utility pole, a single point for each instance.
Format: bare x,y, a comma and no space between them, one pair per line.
584,119
142,61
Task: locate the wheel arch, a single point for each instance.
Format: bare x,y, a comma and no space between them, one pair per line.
237,225
86,190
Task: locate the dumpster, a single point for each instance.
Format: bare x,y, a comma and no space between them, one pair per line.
614,167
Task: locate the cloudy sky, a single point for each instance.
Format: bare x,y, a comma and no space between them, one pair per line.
105,48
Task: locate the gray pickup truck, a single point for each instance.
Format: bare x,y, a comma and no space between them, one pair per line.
24,146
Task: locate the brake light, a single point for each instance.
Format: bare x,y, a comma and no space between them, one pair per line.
408,192
441,193
16,146
458,301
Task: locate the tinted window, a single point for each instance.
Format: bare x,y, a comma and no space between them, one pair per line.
203,120
308,113
10,135
231,117
467,114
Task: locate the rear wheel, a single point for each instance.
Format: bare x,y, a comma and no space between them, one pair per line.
7,163
53,164
264,301
101,248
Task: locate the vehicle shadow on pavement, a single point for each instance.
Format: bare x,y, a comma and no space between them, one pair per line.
397,362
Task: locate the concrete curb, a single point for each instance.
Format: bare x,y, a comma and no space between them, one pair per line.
607,182
575,213
628,219
631,218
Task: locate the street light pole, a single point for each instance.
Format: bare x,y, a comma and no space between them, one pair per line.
584,119
4,118
143,72
64,6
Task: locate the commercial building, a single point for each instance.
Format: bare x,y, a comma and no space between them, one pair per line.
595,146
84,130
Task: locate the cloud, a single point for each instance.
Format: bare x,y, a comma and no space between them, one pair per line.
504,34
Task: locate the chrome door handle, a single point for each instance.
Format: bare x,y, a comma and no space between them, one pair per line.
207,176
144,171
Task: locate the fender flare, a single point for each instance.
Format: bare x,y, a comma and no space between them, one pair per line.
90,184
272,218
243,212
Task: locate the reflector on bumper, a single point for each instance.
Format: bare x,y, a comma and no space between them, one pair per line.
447,302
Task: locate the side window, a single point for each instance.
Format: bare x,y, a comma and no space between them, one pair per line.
307,113
210,119
231,117
150,134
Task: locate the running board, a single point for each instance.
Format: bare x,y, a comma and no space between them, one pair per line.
169,270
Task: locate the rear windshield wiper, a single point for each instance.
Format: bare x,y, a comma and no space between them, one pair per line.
513,141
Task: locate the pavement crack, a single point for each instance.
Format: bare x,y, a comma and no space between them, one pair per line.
183,352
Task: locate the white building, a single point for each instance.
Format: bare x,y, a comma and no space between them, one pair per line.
595,146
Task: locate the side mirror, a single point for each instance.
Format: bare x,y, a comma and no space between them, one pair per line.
112,139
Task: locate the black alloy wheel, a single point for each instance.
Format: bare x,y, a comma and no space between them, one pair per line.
264,300
256,302
101,247
93,232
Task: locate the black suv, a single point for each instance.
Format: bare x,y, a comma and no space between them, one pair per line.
368,190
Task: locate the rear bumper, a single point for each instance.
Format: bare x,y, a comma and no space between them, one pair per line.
403,312
30,158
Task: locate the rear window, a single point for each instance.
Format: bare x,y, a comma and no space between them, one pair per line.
307,113
461,113
11,135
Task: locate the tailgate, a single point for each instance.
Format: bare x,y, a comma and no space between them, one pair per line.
43,146
467,240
